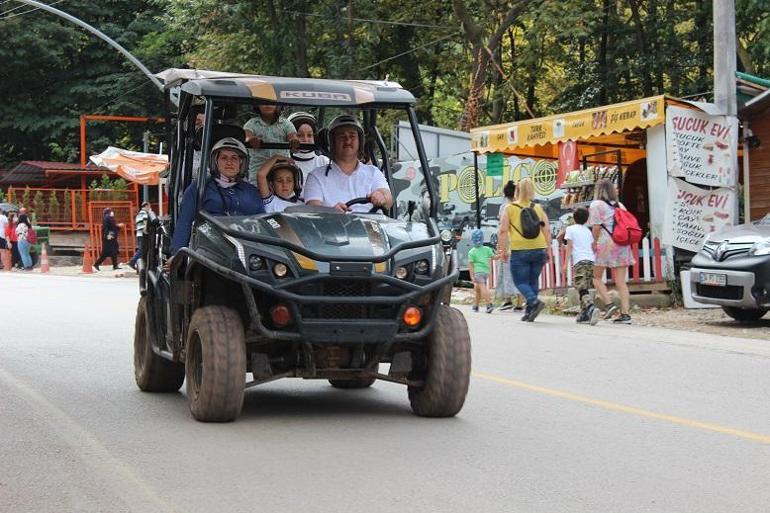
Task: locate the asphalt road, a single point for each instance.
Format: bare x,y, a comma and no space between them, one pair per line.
560,418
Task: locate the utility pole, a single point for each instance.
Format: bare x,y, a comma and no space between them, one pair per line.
724,57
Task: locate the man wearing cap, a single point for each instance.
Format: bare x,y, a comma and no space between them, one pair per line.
140,221
227,192
346,177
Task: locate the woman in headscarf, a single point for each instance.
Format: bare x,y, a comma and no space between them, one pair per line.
227,191
110,231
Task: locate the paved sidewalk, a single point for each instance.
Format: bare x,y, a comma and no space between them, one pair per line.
106,272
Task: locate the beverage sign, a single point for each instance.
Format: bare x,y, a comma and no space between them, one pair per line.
692,213
702,148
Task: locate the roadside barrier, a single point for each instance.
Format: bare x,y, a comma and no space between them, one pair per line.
44,268
88,263
648,267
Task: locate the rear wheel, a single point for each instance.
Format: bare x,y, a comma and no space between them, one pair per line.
447,370
215,364
153,373
744,314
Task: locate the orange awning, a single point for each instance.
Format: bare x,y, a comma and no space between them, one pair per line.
134,166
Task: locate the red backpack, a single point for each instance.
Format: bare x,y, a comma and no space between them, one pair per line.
626,231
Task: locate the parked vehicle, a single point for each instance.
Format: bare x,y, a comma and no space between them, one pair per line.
733,270
309,292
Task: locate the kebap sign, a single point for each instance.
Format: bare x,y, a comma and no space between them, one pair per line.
692,213
702,148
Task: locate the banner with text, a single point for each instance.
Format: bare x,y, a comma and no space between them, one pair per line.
702,148
692,213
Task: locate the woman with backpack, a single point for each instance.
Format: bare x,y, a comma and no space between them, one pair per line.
524,238
609,254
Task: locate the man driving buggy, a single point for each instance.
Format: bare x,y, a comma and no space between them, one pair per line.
227,191
346,177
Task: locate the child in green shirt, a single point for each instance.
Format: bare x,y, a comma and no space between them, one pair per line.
479,260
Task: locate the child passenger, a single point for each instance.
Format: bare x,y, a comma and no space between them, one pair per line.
268,127
579,246
479,263
280,184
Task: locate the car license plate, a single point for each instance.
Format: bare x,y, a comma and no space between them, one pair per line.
718,280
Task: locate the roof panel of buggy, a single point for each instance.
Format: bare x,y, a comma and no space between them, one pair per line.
285,90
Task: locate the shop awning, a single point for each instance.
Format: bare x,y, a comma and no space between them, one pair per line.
134,166
597,124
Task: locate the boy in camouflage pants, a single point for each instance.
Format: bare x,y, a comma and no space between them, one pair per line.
579,246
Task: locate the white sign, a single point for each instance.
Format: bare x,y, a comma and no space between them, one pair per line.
702,148
692,213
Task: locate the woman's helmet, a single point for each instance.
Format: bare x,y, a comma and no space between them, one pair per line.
477,237
300,118
345,120
229,143
294,170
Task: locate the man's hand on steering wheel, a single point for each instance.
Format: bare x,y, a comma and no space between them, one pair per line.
363,201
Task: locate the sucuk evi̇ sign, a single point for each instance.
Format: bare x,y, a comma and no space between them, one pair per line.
701,148
692,213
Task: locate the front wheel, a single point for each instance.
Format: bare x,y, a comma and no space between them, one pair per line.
447,371
152,372
744,314
215,364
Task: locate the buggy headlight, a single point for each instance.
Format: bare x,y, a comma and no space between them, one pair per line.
280,270
401,272
422,267
446,236
760,248
256,263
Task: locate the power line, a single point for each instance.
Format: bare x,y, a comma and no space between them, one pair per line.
25,12
368,20
453,34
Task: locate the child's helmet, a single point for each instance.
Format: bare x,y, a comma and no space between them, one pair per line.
477,237
300,118
294,171
229,143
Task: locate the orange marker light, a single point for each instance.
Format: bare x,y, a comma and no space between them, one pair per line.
412,316
281,315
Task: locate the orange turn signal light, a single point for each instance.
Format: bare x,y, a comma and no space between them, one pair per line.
412,316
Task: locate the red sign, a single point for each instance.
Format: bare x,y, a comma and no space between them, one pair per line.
568,160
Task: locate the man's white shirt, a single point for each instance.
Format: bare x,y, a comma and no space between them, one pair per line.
337,187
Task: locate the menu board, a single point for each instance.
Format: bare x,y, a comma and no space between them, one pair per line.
702,148
692,213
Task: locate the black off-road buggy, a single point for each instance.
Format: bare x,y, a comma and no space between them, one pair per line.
310,292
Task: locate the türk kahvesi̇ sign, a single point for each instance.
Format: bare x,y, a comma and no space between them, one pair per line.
692,213
701,148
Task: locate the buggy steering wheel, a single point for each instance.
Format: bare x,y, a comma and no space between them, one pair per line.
365,200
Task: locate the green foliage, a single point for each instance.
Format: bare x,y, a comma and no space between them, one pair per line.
38,202
25,197
559,55
67,205
53,207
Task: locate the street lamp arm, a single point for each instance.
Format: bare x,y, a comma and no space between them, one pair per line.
98,34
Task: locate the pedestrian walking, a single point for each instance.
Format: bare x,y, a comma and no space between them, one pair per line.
505,290
140,221
110,247
523,239
479,260
12,240
609,255
23,229
580,248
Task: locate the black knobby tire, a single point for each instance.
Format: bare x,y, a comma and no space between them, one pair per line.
744,314
153,373
215,364
447,370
